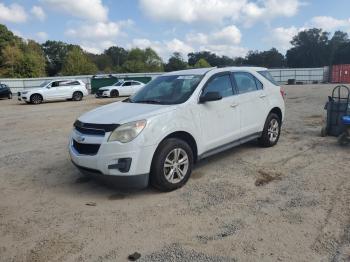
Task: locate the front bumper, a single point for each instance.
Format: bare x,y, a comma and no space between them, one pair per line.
109,156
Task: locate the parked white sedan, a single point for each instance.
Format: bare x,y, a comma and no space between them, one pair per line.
55,90
121,88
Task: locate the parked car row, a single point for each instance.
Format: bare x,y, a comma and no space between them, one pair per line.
70,90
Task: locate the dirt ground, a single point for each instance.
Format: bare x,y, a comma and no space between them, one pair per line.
287,203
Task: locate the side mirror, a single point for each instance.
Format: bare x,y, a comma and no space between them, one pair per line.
210,96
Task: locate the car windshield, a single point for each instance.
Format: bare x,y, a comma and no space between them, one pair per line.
167,90
44,83
119,83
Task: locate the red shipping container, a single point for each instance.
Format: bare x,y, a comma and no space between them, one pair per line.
341,74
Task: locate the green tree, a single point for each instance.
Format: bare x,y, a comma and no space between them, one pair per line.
143,61
23,60
117,56
310,49
337,44
271,58
202,63
55,53
175,63
78,63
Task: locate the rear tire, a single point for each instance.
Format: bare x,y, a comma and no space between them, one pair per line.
77,96
271,132
172,165
114,93
10,96
344,139
36,99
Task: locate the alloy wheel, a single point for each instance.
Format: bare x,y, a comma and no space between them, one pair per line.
176,165
273,130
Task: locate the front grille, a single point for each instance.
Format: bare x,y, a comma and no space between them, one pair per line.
94,129
100,92
86,149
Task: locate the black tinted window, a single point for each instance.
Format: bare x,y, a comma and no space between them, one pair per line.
135,83
221,84
127,84
246,82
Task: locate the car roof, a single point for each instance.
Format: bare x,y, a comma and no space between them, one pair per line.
203,71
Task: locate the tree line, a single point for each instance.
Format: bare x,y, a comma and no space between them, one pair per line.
27,58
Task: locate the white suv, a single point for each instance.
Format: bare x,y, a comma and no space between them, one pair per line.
121,88
175,120
55,90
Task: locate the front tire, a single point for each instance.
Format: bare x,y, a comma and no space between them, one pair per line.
114,93
77,96
10,96
172,165
271,132
36,99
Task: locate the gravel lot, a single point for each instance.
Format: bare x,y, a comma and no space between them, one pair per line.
287,203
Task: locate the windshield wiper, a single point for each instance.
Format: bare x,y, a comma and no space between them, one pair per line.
149,101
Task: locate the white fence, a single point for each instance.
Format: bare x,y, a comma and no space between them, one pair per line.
304,75
18,84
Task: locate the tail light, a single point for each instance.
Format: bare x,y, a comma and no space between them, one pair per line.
283,92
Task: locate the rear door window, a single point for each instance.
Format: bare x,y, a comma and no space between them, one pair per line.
246,82
221,83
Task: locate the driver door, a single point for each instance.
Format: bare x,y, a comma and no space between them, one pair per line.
219,120
126,88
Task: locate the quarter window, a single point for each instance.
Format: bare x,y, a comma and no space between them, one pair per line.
247,82
221,84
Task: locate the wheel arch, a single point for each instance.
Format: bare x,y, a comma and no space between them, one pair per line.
185,136
30,97
277,111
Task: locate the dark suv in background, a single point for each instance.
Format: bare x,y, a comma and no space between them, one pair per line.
5,91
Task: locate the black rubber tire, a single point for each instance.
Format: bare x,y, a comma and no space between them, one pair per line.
157,178
10,96
114,93
77,96
324,131
264,140
36,99
344,139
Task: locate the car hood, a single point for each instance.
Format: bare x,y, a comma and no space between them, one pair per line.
31,90
107,87
123,112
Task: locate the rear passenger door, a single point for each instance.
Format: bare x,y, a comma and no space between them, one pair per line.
253,103
136,86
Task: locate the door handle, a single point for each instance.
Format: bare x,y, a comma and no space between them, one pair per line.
262,96
234,105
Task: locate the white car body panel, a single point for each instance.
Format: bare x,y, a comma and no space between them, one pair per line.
53,93
239,117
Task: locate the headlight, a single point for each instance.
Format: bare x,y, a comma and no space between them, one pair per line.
127,132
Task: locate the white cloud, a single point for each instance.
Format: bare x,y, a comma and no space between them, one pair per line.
96,37
92,10
42,36
13,13
329,23
95,31
228,35
280,37
267,10
216,11
38,12
177,45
